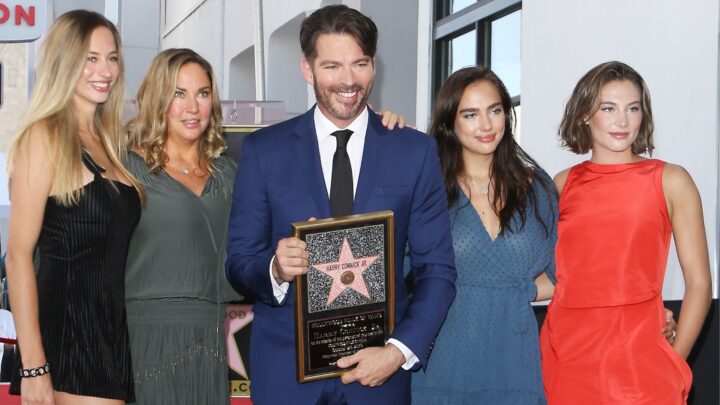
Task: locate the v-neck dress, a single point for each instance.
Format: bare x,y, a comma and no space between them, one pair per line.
176,288
487,351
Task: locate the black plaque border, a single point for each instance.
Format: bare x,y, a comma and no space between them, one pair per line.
302,317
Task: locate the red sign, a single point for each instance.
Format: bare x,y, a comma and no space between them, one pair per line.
21,14
22,20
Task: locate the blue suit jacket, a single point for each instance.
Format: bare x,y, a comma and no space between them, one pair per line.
279,181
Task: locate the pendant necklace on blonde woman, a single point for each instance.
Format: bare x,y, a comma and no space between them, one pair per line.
185,170
181,166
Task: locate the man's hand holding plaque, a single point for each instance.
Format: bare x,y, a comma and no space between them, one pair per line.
291,260
374,365
345,296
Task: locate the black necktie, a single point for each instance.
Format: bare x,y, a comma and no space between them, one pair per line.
341,185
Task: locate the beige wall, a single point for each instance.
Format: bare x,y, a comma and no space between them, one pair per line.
14,61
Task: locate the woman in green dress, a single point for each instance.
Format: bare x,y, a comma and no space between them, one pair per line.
176,289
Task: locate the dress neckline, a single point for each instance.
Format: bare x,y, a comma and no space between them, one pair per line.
467,204
97,170
615,167
163,173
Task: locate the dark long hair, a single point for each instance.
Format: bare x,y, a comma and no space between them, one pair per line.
512,170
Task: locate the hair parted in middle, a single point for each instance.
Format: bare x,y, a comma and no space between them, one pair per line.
338,19
585,102
149,130
512,170
63,56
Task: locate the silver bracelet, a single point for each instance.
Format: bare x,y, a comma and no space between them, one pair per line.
35,372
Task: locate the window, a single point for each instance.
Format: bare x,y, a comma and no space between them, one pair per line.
482,32
447,7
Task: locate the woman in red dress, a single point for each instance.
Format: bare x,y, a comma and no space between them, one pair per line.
601,342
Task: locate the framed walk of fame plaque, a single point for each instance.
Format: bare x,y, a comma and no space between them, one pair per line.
346,301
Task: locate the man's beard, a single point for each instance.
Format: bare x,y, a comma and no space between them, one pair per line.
325,100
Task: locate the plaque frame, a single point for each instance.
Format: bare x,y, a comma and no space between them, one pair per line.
386,307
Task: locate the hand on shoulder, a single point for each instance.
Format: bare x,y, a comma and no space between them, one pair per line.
390,119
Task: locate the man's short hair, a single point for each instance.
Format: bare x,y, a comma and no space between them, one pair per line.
338,19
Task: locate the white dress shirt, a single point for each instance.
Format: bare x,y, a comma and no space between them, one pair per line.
355,146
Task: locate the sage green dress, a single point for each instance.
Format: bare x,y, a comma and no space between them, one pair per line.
176,290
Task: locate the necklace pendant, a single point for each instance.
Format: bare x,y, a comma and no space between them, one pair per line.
484,190
185,171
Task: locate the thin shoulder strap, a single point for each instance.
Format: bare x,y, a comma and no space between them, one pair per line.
94,168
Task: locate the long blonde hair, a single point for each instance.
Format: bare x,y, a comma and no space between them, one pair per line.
149,130
62,59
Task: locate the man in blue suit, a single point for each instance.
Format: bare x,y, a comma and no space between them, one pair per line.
338,159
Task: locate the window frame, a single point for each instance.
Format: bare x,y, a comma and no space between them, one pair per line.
479,17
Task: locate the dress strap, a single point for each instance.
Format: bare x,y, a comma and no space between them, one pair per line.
94,168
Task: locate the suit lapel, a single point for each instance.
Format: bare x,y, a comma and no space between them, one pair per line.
376,144
308,158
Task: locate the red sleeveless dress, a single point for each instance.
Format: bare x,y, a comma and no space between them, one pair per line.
601,342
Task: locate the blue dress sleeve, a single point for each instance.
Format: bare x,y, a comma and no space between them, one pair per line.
548,200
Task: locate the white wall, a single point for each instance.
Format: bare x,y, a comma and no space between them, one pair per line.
197,25
240,75
674,46
139,26
282,62
424,63
238,49
396,58
284,81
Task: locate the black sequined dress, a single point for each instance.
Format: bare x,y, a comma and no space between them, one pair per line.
81,289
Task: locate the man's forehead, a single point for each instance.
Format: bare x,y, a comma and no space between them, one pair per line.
338,42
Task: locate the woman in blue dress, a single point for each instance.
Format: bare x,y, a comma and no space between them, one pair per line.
503,209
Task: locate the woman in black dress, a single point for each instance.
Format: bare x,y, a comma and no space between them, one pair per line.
73,199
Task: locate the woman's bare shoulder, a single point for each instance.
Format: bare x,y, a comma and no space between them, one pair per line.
561,178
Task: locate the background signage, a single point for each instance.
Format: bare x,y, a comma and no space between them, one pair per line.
22,20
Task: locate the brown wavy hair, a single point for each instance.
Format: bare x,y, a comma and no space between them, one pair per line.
149,131
512,170
585,102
